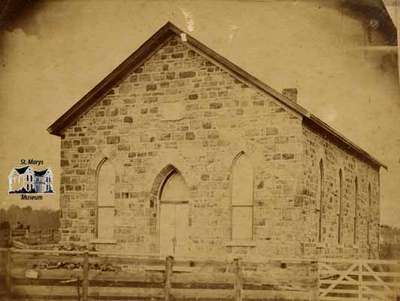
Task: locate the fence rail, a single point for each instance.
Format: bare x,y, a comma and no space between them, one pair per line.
374,280
76,275
70,275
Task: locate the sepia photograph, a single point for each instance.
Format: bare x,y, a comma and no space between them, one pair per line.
240,150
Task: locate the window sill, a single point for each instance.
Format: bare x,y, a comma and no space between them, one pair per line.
240,243
103,241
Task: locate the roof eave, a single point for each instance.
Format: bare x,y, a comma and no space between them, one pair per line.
352,146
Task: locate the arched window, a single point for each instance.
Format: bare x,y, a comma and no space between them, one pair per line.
320,197
369,213
105,200
340,211
242,198
355,226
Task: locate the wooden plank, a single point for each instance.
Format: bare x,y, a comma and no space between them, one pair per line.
203,277
201,264
374,283
46,282
127,260
47,252
124,292
273,279
381,274
362,261
43,260
61,274
201,294
347,291
130,284
41,297
72,291
379,294
144,276
44,290
339,298
352,283
277,295
203,285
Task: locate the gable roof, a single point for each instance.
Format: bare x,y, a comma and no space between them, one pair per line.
41,172
22,169
154,43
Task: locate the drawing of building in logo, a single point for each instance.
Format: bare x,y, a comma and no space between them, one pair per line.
26,180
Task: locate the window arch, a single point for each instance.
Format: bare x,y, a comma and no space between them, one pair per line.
355,226
320,197
340,211
174,188
242,198
105,200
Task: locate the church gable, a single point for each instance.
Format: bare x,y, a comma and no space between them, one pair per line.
172,58
174,83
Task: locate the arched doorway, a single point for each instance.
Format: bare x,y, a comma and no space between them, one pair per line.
174,215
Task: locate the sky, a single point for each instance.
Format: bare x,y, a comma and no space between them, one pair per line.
61,49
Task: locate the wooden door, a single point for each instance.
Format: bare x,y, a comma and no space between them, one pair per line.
174,220
174,216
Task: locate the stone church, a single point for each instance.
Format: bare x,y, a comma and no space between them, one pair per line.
179,151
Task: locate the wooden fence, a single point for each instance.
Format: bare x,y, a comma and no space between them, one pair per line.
51,275
359,280
70,275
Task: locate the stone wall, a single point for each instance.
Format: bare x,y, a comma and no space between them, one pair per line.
180,110
334,158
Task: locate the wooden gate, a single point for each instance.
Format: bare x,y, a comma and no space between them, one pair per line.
374,280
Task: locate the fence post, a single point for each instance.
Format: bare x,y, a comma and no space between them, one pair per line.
238,285
8,271
85,280
168,273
